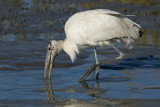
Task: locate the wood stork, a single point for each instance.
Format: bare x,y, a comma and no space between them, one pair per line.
92,28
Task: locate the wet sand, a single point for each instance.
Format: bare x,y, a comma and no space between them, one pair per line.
27,27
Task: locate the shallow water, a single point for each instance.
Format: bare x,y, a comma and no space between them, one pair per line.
27,27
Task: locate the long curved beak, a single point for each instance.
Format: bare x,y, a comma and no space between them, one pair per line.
51,54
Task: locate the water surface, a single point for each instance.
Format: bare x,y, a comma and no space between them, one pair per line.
26,28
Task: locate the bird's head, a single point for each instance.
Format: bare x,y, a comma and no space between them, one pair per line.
52,51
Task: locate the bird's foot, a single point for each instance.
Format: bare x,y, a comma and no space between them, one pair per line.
120,56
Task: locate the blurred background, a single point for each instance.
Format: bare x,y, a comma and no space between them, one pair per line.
44,18
26,28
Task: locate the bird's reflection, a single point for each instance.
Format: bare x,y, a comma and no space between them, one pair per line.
93,90
49,90
85,85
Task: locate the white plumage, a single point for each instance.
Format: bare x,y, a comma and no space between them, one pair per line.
99,27
96,28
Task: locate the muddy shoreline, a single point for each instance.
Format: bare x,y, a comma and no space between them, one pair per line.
26,28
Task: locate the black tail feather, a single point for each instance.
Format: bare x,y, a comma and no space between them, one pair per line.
140,33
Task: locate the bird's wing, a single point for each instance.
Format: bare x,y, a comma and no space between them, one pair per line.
100,25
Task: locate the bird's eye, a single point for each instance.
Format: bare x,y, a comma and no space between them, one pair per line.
49,46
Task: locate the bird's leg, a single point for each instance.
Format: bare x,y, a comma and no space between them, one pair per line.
97,62
101,63
93,67
121,54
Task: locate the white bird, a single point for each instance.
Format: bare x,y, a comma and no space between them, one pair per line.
92,28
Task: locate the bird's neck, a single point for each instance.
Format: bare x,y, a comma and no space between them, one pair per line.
60,45
70,47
